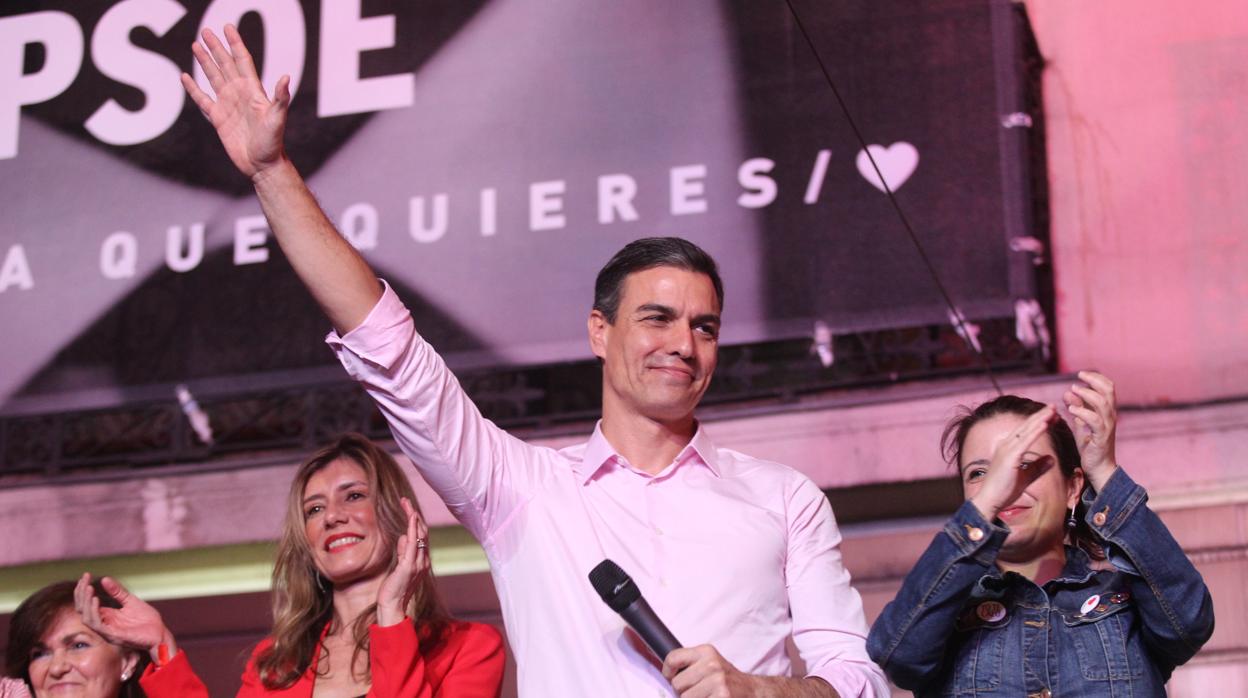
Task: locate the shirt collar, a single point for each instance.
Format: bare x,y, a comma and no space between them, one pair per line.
598,453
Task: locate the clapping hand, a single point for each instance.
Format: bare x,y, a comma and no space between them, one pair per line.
1094,407
411,563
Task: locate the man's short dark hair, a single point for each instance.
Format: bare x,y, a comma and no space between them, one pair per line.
648,253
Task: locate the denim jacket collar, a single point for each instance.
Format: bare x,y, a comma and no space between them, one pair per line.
1077,570
1078,567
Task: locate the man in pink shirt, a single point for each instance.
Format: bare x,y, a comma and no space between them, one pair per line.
735,554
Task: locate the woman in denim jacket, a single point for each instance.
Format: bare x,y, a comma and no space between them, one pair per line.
1053,578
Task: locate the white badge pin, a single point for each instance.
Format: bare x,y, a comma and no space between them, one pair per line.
1090,604
990,611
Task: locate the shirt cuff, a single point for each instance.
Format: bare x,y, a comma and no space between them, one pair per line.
851,679
383,336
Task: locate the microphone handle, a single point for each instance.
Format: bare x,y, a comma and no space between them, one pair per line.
640,616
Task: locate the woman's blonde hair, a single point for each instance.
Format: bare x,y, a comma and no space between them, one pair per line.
303,599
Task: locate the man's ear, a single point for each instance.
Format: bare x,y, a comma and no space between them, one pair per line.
598,330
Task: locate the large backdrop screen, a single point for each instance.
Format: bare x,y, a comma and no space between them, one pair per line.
488,156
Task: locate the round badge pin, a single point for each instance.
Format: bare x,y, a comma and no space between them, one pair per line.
1090,604
990,611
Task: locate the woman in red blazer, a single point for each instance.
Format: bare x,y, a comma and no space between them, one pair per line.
355,609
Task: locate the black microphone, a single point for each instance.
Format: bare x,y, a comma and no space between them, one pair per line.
620,593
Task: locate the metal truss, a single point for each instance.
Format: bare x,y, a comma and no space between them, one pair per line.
265,426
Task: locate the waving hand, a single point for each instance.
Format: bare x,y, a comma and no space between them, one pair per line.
251,126
136,624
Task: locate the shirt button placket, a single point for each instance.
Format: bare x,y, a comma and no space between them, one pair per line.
653,509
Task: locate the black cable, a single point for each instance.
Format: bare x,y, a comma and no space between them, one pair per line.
958,320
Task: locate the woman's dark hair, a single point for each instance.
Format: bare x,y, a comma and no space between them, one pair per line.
38,613
1060,435
648,253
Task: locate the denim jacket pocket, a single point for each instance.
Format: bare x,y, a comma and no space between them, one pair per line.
980,653
1101,637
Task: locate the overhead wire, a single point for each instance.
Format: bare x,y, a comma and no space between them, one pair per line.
955,314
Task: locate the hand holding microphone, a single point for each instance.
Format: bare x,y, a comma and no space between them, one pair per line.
701,669
620,593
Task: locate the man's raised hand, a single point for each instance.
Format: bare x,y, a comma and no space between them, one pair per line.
250,125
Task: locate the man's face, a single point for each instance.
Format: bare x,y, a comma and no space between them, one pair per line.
659,354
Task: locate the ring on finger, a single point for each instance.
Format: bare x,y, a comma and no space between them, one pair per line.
421,544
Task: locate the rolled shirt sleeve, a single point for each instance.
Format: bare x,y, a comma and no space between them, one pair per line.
829,627
462,455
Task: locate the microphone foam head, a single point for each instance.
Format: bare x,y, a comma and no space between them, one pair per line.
614,586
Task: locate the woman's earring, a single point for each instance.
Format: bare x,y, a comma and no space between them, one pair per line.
1071,521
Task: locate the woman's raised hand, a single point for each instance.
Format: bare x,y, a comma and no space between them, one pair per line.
250,125
1009,471
411,563
1094,407
136,624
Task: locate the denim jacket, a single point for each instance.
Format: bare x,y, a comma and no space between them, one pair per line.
959,627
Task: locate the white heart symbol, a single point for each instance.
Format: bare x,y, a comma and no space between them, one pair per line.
897,162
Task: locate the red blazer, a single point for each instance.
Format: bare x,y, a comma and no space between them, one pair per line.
468,664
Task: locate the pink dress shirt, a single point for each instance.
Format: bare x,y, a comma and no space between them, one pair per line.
729,550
